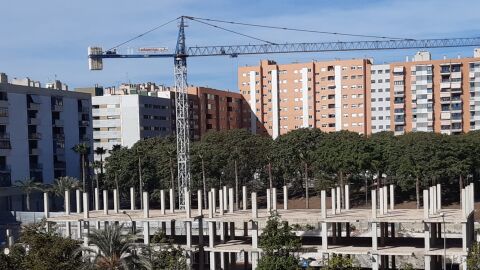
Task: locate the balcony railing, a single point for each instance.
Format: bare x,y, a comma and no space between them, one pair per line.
34,136
4,136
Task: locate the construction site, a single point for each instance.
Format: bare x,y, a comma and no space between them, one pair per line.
225,234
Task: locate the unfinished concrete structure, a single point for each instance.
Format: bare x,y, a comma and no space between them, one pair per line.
226,233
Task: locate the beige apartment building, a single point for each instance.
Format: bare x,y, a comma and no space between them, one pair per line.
418,95
328,95
436,95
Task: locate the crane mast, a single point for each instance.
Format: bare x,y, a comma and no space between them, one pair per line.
96,56
181,112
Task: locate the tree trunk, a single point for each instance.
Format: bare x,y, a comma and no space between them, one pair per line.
28,200
204,184
307,198
83,173
236,184
140,182
270,180
366,188
101,164
417,190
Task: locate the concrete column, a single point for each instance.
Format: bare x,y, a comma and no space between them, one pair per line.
188,204
231,203
339,199
464,263
269,200
392,197
79,230
86,211
46,205
375,261
285,197
431,199
254,233
68,229
105,202
115,201
222,232
347,197
274,198
244,198
172,227
254,205
255,256
9,237
97,199
381,198
334,202
465,237
385,200
323,203
162,202
324,236
426,232
439,197
78,200
374,204
210,205
67,202
146,205
211,234
222,260
199,203
86,230
425,204
172,200
214,199
132,198
374,236
225,198
146,228
188,228
212,261
220,195
428,262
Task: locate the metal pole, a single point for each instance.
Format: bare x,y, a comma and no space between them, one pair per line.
140,184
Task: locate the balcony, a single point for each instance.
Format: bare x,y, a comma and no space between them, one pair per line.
456,85
59,136
59,165
34,151
3,103
57,122
444,100
33,106
36,167
34,136
445,85
85,139
57,107
4,136
5,168
399,106
83,123
34,121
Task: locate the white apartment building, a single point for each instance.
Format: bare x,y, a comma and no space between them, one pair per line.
380,97
125,119
38,129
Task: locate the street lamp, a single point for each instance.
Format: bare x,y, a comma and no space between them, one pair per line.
131,220
444,242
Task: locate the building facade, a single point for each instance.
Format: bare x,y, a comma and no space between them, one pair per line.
38,129
125,119
327,95
378,90
436,95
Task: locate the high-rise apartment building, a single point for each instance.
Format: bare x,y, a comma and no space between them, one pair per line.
125,119
378,91
131,114
38,129
435,95
327,95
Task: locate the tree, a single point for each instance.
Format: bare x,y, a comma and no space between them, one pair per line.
63,183
83,149
164,255
279,244
473,259
337,262
28,186
114,249
100,151
46,250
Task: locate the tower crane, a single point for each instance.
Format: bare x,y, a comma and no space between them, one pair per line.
182,52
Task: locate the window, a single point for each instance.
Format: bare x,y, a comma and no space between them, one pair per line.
345,106
344,96
373,90
373,100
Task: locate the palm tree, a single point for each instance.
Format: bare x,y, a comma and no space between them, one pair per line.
62,184
28,185
100,151
113,249
82,149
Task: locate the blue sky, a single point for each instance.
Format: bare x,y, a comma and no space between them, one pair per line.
49,38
